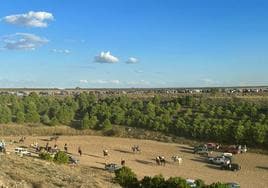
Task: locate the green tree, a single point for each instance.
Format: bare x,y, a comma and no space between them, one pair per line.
20,117
126,177
5,114
32,115
85,124
107,125
45,119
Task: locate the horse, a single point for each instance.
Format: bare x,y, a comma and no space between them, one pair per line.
34,145
157,160
22,139
160,160
176,158
105,152
135,149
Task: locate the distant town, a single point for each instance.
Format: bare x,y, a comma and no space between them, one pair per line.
132,91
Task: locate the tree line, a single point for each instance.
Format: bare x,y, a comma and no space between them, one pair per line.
203,118
128,179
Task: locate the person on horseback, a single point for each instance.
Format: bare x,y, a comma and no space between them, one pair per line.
80,151
123,162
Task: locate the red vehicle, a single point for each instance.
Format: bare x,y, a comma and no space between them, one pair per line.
233,149
212,146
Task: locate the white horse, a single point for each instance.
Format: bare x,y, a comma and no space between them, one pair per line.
176,158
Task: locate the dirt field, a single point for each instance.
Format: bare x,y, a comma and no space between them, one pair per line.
254,172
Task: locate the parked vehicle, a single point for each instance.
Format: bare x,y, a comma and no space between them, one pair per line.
191,182
212,146
233,185
220,160
201,150
231,166
73,160
233,149
112,167
22,151
225,154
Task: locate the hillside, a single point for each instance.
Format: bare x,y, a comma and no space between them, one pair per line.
28,172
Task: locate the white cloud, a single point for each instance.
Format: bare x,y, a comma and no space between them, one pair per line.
106,57
132,60
138,71
30,19
140,83
22,41
208,81
59,51
105,81
83,81
115,81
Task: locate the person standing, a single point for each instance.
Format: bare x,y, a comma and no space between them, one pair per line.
80,151
65,147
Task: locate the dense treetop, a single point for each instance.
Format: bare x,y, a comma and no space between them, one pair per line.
226,120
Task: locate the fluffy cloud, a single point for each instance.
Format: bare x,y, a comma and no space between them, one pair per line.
30,19
132,60
23,41
106,57
140,83
65,51
83,81
138,71
105,82
100,81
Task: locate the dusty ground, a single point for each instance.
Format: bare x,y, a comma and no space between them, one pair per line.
29,172
254,172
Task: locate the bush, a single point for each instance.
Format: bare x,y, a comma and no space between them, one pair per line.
115,131
126,177
157,181
146,182
174,182
199,183
45,156
61,157
218,185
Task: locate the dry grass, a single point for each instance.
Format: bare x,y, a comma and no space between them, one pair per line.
253,173
41,130
30,172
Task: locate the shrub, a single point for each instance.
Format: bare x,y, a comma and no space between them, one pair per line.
199,183
158,181
45,156
61,157
217,185
115,131
174,182
146,182
107,125
126,177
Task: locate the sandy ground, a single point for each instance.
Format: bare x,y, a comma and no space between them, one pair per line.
254,172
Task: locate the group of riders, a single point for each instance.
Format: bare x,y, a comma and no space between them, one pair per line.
160,160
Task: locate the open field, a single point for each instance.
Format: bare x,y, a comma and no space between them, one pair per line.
254,172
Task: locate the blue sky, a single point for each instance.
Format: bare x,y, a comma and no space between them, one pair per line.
133,43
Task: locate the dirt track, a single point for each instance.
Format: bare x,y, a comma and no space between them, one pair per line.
254,172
